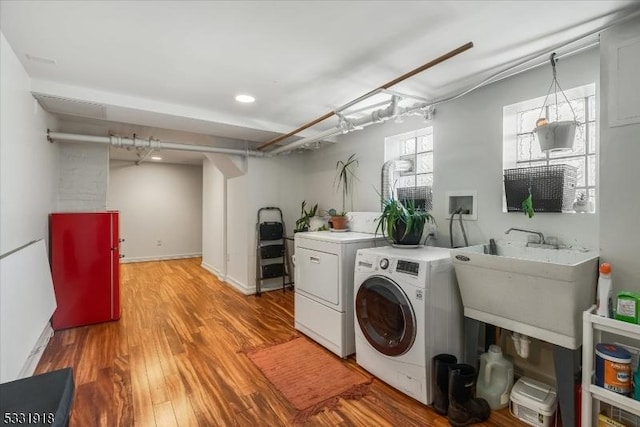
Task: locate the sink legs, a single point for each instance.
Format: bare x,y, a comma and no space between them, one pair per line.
471,333
567,365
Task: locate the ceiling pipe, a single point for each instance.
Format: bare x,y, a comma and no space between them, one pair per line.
387,85
391,111
152,144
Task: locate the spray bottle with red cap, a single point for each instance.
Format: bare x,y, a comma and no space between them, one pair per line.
605,302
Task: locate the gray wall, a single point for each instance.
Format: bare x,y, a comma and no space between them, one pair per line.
160,209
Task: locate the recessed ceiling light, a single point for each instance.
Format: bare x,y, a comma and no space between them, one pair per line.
246,99
156,158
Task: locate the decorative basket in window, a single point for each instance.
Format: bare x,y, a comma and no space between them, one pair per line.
552,187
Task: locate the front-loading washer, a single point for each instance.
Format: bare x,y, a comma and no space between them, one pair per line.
407,310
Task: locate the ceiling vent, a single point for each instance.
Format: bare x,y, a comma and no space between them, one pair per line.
72,107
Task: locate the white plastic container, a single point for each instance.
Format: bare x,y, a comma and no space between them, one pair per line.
533,402
495,378
605,302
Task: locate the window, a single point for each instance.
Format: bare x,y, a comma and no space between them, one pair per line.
521,148
416,184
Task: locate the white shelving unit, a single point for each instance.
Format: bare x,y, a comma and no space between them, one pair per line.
592,395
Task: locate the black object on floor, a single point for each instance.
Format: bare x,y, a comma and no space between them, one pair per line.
40,400
440,379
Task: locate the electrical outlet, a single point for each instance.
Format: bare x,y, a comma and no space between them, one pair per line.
159,243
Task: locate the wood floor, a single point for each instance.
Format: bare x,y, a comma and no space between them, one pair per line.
175,359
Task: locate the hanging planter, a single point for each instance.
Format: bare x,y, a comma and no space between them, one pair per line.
558,135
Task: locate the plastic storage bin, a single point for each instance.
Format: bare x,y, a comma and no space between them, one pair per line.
533,402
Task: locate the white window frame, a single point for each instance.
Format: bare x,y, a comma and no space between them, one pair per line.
510,138
393,150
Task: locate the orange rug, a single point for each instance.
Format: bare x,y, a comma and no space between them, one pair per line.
309,376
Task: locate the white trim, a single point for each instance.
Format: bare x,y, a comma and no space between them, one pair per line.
159,258
236,284
32,361
621,86
242,287
211,269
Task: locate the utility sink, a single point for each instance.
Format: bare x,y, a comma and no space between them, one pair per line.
539,292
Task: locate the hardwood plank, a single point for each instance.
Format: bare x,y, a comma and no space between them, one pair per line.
185,416
140,390
177,357
164,415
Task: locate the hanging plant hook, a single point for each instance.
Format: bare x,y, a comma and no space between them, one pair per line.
555,87
553,60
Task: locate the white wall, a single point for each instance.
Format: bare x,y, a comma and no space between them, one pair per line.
213,219
273,182
157,203
238,230
467,156
619,170
28,188
28,163
84,175
251,183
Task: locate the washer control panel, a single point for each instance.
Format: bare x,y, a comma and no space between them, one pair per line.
408,267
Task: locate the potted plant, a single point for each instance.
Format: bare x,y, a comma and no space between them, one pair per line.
302,223
403,224
338,219
344,181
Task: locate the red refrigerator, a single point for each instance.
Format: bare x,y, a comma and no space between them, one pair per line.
85,266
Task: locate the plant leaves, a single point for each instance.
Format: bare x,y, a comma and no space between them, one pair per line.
527,205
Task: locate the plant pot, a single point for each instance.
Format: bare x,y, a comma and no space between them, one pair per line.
556,136
339,222
413,238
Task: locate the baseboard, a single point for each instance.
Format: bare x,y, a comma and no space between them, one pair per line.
242,287
32,361
159,258
211,269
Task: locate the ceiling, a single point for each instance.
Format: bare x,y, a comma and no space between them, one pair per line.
178,64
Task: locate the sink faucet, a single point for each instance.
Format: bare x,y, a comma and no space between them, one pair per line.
540,235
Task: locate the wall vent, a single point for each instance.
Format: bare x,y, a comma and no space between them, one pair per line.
72,107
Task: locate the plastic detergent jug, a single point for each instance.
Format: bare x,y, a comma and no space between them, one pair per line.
495,378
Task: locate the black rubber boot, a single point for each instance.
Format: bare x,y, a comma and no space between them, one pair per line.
464,409
440,380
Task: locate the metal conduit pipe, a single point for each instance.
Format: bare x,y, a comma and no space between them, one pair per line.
386,175
154,144
377,116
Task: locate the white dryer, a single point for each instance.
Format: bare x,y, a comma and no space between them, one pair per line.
407,309
323,304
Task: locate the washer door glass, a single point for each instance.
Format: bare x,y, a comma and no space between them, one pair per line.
385,316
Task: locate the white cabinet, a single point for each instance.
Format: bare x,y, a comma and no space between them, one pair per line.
592,395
